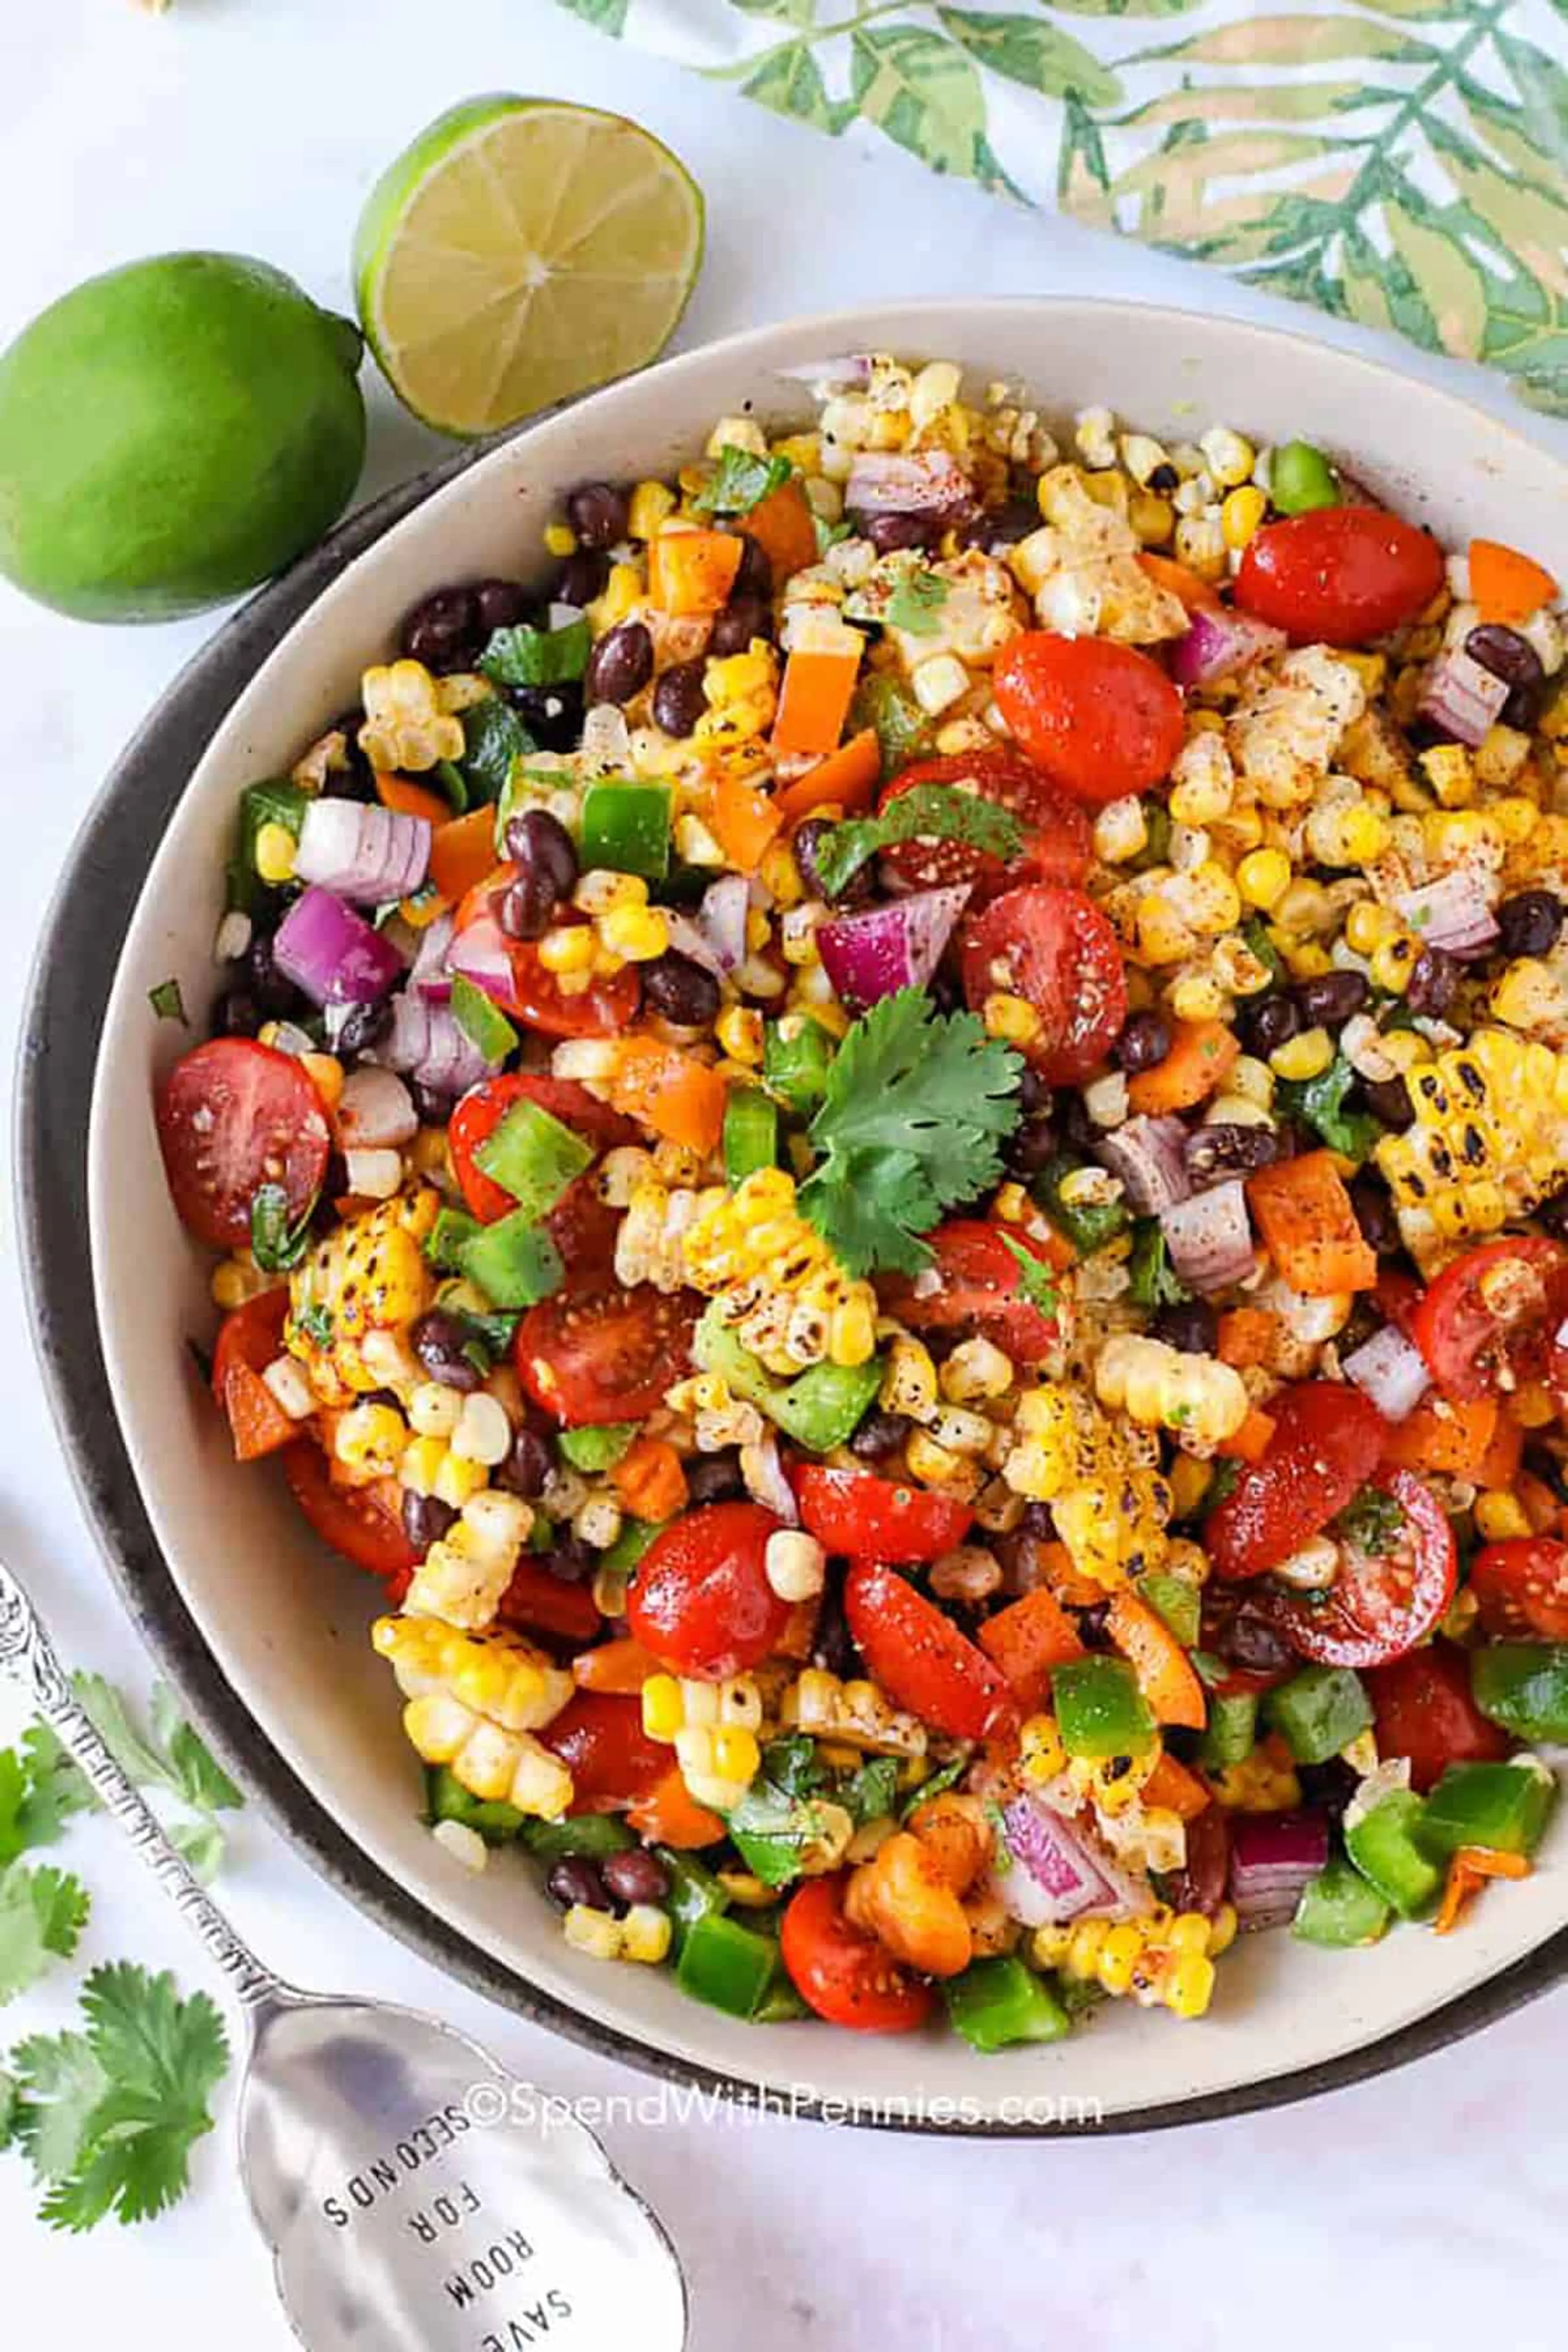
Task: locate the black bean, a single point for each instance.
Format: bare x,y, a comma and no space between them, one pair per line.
357,781
1434,979
1553,1214
1529,923
890,532
1033,1095
582,577
551,714
574,1880
599,513
425,1518
236,1015
755,575
569,1559
1164,479
1032,1144
1229,1148
1004,526
1374,1212
679,697
1388,1099
438,1340
1505,653
276,995
715,1478
1333,998
501,604
1267,1022
527,1466
879,1435
434,1109
546,860
833,1646
1189,1325
1328,1788
1239,1630
1079,1132
620,665
860,888
361,1025
634,1875
743,618
680,991
1145,1040
443,631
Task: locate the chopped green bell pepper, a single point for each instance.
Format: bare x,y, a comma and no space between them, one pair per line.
1301,478
1502,1806
1320,1711
514,1261
1087,1225
750,1133
625,827
446,1799
694,1893
1523,1686
1175,1602
593,1834
1100,1711
1232,1730
630,1544
1384,1846
449,1237
781,2005
730,1966
1340,1907
597,1447
482,1023
796,1053
998,2001
524,656
820,1410
534,1157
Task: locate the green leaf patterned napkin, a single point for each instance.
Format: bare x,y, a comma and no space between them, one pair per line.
1404,164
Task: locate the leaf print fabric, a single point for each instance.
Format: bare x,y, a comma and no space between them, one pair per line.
1404,164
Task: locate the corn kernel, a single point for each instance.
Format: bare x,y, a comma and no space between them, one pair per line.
1499,1515
651,503
1043,1755
637,934
274,854
1242,514
938,682
568,948
1012,1018
433,1409
371,1438
1189,1986
1368,925
560,539
663,1707
645,1935
1307,1056
456,1481
795,1565
1348,834
1229,456
596,1932
1393,963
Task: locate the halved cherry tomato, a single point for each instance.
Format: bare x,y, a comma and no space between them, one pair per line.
865,1517
1522,1587
483,1107
610,1757
256,1422
1382,1602
919,1657
1099,718
701,1600
353,1520
841,1972
1328,1440
1339,574
597,1352
234,1116
1056,949
1424,1710
1057,842
535,996
548,1602
1025,1639
980,1292
1488,1321
248,1340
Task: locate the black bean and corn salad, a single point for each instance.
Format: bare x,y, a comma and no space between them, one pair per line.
901,1160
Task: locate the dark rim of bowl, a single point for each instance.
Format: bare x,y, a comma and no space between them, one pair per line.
72,975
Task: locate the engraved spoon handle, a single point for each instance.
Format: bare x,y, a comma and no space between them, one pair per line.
25,1649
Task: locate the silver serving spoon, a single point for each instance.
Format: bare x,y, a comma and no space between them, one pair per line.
416,2196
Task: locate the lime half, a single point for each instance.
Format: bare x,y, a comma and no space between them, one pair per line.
521,251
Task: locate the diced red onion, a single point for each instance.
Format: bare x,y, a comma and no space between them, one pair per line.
1391,1371
332,953
1462,697
482,953
1147,1154
1210,1237
430,974
716,938
931,482
766,1482
884,949
1272,1856
376,1108
426,1040
1218,643
362,851
1054,1875
846,371
1452,913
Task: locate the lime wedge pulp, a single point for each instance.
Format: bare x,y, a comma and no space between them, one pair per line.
521,251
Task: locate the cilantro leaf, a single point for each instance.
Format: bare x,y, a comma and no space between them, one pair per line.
925,812
194,1771
275,1244
42,1914
903,729
915,604
742,481
1036,1281
935,1782
203,1845
315,1320
1153,1280
494,741
111,1720
1319,1103
167,1003
57,1787
871,1792
828,534
911,1123
58,2084
525,655
9,2108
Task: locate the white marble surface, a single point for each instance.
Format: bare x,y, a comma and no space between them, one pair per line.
1427,2208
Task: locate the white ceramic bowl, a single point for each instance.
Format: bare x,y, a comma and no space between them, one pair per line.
287,1623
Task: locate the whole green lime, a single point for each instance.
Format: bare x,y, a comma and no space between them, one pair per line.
172,433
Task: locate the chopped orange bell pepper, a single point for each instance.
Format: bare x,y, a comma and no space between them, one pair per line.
650,1480
745,823
693,570
1190,588
1250,1442
258,1422
1309,1226
1447,1435
814,702
412,799
620,1667
1177,1790
1468,1872
1164,1671
846,779
1200,1059
1025,1639
1055,1564
463,852
1507,585
782,528
1247,1337
678,1097
1498,1465
670,1815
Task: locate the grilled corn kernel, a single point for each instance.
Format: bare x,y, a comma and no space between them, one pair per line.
1229,456
275,848
637,934
1348,834
370,1439
1393,963
1242,514
910,1382
795,1565
651,502
1307,1056
1368,925
975,1372
570,947
1012,1018
433,1409
1040,1748
596,1932
456,1481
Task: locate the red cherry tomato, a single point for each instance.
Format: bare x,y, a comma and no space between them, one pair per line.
980,1292
842,1973
1057,844
919,1657
1055,947
354,1520
601,1741
597,1352
483,1107
1380,1603
1099,718
1424,1710
234,1116
1522,1587
535,996
548,1603
865,1517
1327,1441
251,1335
1202,1882
1489,1319
700,1601
1339,574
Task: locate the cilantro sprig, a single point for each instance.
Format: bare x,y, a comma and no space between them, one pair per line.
916,603
742,481
1319,1103
1036,1281
916,1106
925,812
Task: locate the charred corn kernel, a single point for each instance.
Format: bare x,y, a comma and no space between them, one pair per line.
273,853
1257,1785
637,934
1162,935
651,503
1194,1395
976,1372
1501,756
1307,1056
1527,996
675,1703
1120,829
1241,515
1368,925
463,1575
1198,996
1041,1754
457,1480
1187,1987
718,1765
560,539
1498,1516
1048,1946
931,1463
405,724
852,1332
482,1432
621,1171
739,1030
1100,1476
1012,1018
1081,1958
1152,518
910,1382
856,1714
602,890
783,1290
473,1701
1448,769
1348,834
596,1932
1490,1139
568,948
1393,963
370,1439
795,1564
956,1430
598,1523
1200,544
1229,456
1119,1953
